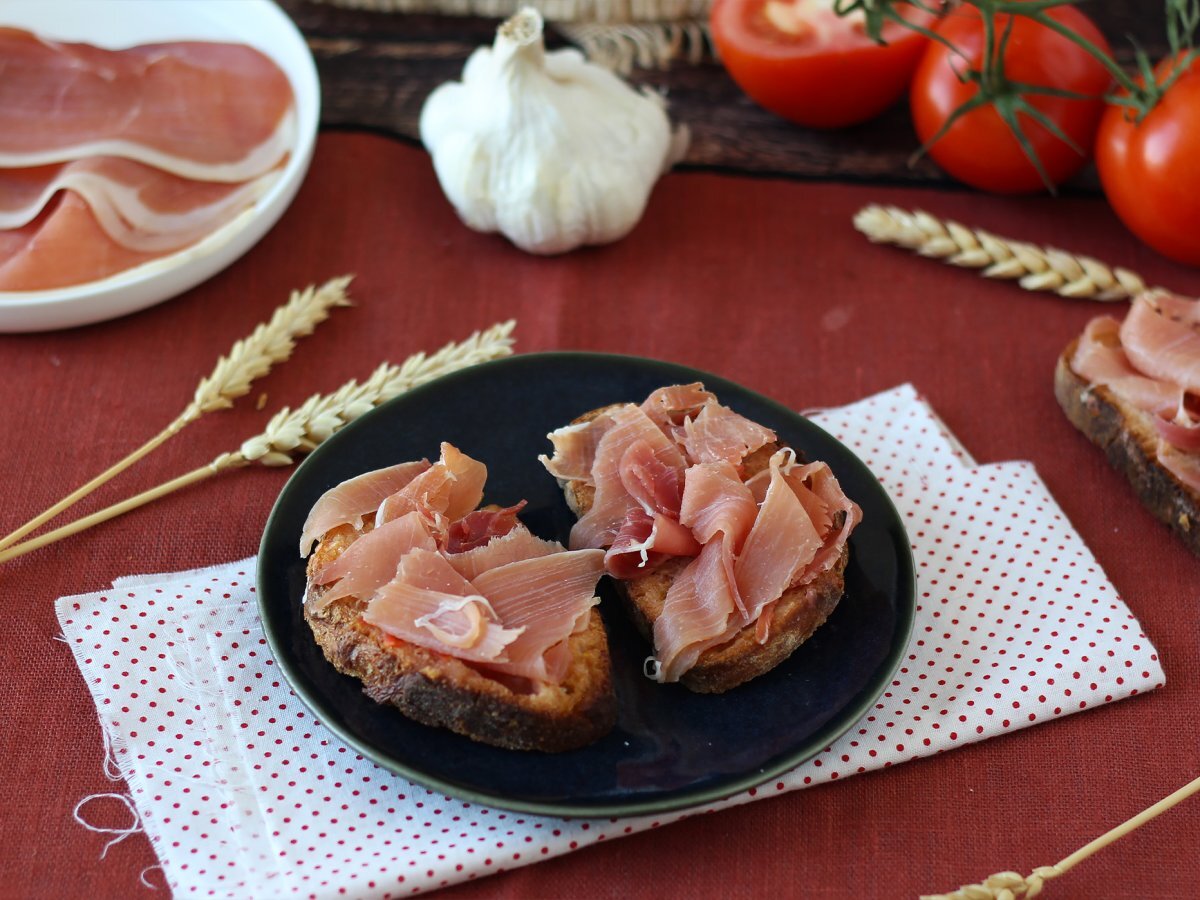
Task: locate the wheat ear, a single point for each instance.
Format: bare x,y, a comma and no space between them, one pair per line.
1034,268
249,359
1010,885
293,432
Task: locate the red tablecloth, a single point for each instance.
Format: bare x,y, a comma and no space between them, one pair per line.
763,281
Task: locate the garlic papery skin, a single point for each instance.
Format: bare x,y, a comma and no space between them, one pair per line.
548,149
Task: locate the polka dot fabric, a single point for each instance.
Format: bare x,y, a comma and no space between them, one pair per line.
243,793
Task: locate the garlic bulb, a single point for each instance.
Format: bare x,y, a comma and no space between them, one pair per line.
548,149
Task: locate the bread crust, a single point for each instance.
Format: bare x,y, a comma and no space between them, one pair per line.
1129,440
798,613
445,692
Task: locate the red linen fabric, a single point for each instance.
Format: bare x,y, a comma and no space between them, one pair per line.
763,281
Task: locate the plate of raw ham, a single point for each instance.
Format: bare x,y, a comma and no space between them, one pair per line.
671,748
144,146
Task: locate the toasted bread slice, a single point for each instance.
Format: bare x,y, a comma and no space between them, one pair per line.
799,612
445,692
1128,437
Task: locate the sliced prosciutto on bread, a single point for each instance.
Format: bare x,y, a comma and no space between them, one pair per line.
1133,387
458,616
729,550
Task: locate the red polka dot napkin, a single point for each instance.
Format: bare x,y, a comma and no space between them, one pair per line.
243,794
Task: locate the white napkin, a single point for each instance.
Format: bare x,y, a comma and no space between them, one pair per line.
243,793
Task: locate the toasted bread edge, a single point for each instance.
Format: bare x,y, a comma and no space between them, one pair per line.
798,613
1128,439
445,692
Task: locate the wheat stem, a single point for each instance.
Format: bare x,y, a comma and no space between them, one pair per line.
249,359
292,432
1034,268
1010,885
220,464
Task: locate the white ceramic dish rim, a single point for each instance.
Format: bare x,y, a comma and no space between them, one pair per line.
120,23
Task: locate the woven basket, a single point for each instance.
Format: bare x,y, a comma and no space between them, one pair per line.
620,34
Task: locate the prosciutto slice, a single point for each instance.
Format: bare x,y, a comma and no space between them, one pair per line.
206,111
782,543
348,502
431,605
478,528
818,490
612,502
1161,337
372,560
717,504
63,246
547,599
443,493
575,449
670,406
698,613
517,544
1100,358
644,541
139,207
719,434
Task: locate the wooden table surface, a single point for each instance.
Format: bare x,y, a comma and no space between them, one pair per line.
377,69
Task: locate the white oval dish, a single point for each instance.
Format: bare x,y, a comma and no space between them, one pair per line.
123,23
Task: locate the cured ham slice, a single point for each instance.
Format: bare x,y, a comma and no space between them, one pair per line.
1161,337
478,528
718,434
656,486
206,111
644,540
348,502
817,479
372,560
443,493
715,501
139,207
516,545
431,605
670,406
717,504
698,613
1100,358
782,542
575,449
63,246
547,599
612,502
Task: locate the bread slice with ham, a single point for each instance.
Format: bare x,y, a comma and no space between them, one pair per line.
457,616
1133,388
729,551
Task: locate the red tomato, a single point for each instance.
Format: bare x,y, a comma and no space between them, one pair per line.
979,149
1151,169
802,61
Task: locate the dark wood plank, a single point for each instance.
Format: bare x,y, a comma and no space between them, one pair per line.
377,69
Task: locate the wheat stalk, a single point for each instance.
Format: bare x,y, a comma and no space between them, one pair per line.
249,359
1010,885
1034,268
293,432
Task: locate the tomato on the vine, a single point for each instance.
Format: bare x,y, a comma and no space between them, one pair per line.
980,148
1150,169
802,61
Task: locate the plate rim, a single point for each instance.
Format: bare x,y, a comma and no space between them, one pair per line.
141,287
684,798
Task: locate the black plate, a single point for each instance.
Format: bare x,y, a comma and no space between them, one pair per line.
671,748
